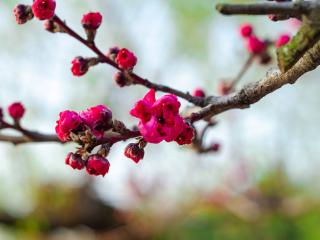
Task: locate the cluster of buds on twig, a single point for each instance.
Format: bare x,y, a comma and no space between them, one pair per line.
258,49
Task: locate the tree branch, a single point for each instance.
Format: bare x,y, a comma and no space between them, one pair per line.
253,92
38,138
265,8
136,78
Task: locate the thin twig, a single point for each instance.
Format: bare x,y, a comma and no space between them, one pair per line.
136,79
243,70
253,92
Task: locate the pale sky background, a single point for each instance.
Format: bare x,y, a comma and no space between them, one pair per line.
35,69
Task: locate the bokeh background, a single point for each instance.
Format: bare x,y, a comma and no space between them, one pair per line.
262,184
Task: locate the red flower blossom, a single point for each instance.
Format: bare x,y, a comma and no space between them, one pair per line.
159,119
186,136
97,165
68,122
43,9
98,119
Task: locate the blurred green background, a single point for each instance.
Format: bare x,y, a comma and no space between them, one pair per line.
263,184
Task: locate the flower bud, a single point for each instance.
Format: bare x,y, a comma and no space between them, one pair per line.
120,79
75,161
126,59
255,45
198,92
52,27
91,22
23,13
134,152
215,147
80,65
16,111
113,52
246,30
97,165
282,40
43,9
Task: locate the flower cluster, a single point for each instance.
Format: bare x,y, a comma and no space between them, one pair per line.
160,119
95,164
125,59
258,47
82,127
97,119
41,9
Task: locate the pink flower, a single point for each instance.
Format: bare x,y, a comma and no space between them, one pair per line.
143,108
126,59
255,45
171,130
91,20
79,66
97,165
186,136
75,161
68,122
149,130
246,30
159,119
134,152
157,130
282,40
16,110
166,107
43,9
198,92
98,119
